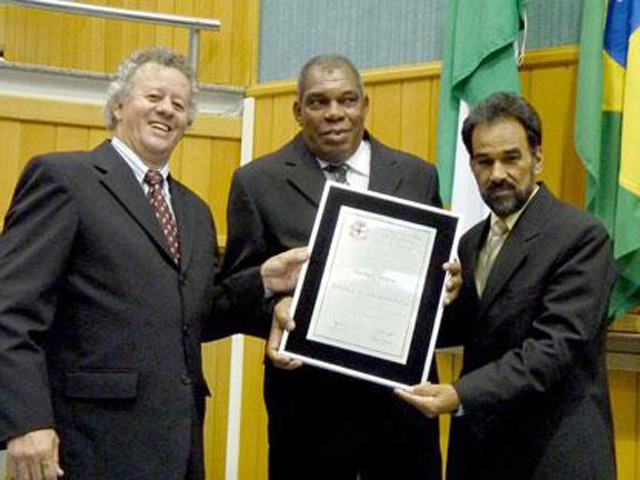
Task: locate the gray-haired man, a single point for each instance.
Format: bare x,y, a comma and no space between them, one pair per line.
107,287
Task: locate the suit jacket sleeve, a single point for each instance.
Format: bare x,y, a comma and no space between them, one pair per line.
34,248
572,304
240,305
245,249
434,189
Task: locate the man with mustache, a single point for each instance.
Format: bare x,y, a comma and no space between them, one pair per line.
107,287
532,400
323,425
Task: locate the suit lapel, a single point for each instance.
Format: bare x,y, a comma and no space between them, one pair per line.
185,221
469,254
303,172
383,174
517,246
305,175
120,181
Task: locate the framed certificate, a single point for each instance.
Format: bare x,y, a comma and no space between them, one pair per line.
369,301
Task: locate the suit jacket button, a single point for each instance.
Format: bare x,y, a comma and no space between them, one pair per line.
183,280
185,379
185,327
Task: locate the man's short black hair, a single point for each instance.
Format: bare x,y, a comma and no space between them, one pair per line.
502,105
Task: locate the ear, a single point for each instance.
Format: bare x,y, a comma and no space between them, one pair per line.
297,111
538,158
117,111
365,105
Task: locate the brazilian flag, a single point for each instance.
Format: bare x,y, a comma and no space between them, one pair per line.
607,132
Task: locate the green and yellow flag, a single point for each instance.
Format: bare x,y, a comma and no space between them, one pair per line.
608,132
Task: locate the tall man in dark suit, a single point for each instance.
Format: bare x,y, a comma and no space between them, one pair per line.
532,401
107,269
321,424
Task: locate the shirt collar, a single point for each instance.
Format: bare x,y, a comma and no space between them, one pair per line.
133,160
360,161
511,220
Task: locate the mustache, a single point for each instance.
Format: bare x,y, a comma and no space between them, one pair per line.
499,186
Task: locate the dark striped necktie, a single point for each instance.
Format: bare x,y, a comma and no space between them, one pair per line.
337,173
154,179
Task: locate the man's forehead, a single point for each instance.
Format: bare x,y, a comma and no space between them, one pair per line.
153,70
320,77
152,75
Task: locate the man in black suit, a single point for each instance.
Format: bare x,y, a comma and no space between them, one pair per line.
532,399
321,424
107,269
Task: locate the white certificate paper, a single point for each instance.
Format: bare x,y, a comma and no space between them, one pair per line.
370,294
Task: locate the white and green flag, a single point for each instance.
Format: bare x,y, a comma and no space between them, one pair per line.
479,59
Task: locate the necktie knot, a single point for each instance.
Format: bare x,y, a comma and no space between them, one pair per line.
499,228
337,173
153,178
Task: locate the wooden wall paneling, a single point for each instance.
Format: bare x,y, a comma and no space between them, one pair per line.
7,31
206,64
253,422
146,31
262,138
39,49
3,26
37,138
11,164
87,43
216,357
31,47
164,34
57,35
634,407
550,89
96,42
70,138
386,112
446,374
625,388
225,158
222,42
130,39
97,135
573,171
69,43
81,32
414,118
195,171
244,48
181,35
113,40
434,88
21,23
284,125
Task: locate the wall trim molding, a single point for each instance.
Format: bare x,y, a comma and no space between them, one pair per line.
544,57
39,110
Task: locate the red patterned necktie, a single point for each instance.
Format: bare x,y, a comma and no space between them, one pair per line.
154,179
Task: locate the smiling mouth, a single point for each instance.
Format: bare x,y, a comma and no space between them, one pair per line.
161,127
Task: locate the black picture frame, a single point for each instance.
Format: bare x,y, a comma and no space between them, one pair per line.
422,343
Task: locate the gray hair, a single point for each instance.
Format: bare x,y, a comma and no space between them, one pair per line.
329,61
120,87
